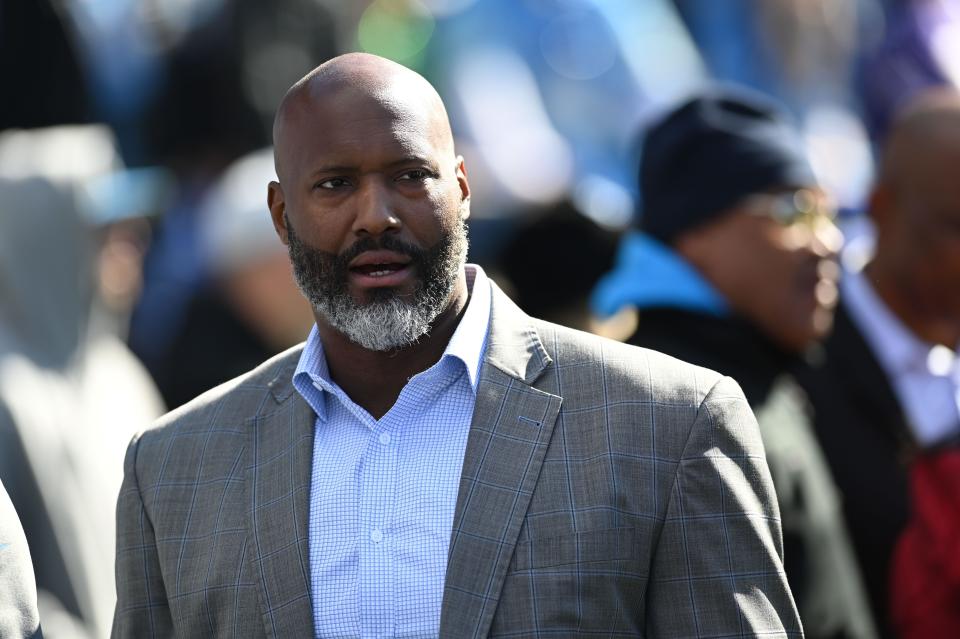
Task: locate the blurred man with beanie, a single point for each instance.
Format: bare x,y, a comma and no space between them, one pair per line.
733,268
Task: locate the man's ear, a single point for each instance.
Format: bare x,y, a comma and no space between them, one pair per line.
277,209
464,188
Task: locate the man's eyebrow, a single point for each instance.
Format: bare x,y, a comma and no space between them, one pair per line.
402,161
413,159
332,168
421,160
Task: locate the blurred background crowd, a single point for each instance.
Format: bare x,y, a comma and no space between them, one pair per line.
139,267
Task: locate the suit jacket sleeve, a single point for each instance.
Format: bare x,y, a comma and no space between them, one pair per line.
18,592
142,609
718,565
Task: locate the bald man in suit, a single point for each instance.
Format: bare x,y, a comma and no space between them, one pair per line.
433,461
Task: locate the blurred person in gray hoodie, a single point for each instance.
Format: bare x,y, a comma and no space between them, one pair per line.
71,394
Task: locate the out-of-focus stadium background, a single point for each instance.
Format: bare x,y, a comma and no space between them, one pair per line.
147,124
545,96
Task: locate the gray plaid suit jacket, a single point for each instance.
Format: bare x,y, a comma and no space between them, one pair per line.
606,491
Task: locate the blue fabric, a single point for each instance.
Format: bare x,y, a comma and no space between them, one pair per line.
383,492
649,274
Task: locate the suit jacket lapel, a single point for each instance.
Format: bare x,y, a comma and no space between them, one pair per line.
511,428
280,496
867,379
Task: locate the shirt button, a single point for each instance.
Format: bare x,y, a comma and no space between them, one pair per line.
384,438
376,536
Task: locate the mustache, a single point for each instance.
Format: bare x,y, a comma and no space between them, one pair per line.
384,243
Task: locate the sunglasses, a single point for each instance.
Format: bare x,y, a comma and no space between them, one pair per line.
803,206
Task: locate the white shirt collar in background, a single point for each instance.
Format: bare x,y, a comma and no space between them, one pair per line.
926,377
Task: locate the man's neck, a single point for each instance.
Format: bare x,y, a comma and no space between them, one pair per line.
374,379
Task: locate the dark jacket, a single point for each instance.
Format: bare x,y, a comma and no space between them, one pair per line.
866,440
819,561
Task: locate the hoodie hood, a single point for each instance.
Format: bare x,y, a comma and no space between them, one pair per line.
46,270
649,274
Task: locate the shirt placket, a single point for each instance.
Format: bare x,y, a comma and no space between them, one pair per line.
377,496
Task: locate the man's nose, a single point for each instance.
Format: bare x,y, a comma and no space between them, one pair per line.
818,236
375,212
826,239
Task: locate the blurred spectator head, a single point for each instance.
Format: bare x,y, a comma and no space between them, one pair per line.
725,182
250,265
65,198
915,207
45,275
710,153
553,262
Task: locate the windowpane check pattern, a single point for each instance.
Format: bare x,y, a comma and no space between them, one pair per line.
383,492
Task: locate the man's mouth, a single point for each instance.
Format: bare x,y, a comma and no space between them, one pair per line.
380,268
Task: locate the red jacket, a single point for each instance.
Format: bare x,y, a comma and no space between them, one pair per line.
925,572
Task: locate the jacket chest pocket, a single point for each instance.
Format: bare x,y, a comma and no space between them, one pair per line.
611,545
591,581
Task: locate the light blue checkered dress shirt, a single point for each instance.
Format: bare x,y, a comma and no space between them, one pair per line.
383,493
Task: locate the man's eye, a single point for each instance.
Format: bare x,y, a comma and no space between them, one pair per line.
414,175
332,183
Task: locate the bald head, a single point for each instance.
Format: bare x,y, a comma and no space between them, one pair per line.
359,78
927,127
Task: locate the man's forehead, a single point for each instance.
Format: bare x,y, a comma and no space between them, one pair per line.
364,82
365,140
344,116
350,104
390,87
349,120
359,95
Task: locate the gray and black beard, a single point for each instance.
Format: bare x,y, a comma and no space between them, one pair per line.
388,320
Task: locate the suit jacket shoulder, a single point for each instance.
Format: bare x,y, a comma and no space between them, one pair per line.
253,393
635,385
221,412
649,374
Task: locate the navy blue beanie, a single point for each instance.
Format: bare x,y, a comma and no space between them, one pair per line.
712,151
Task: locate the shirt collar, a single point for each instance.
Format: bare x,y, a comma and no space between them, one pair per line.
469,340
311,377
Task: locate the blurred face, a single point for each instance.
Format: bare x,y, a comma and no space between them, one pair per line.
773,257
372,204
918,242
